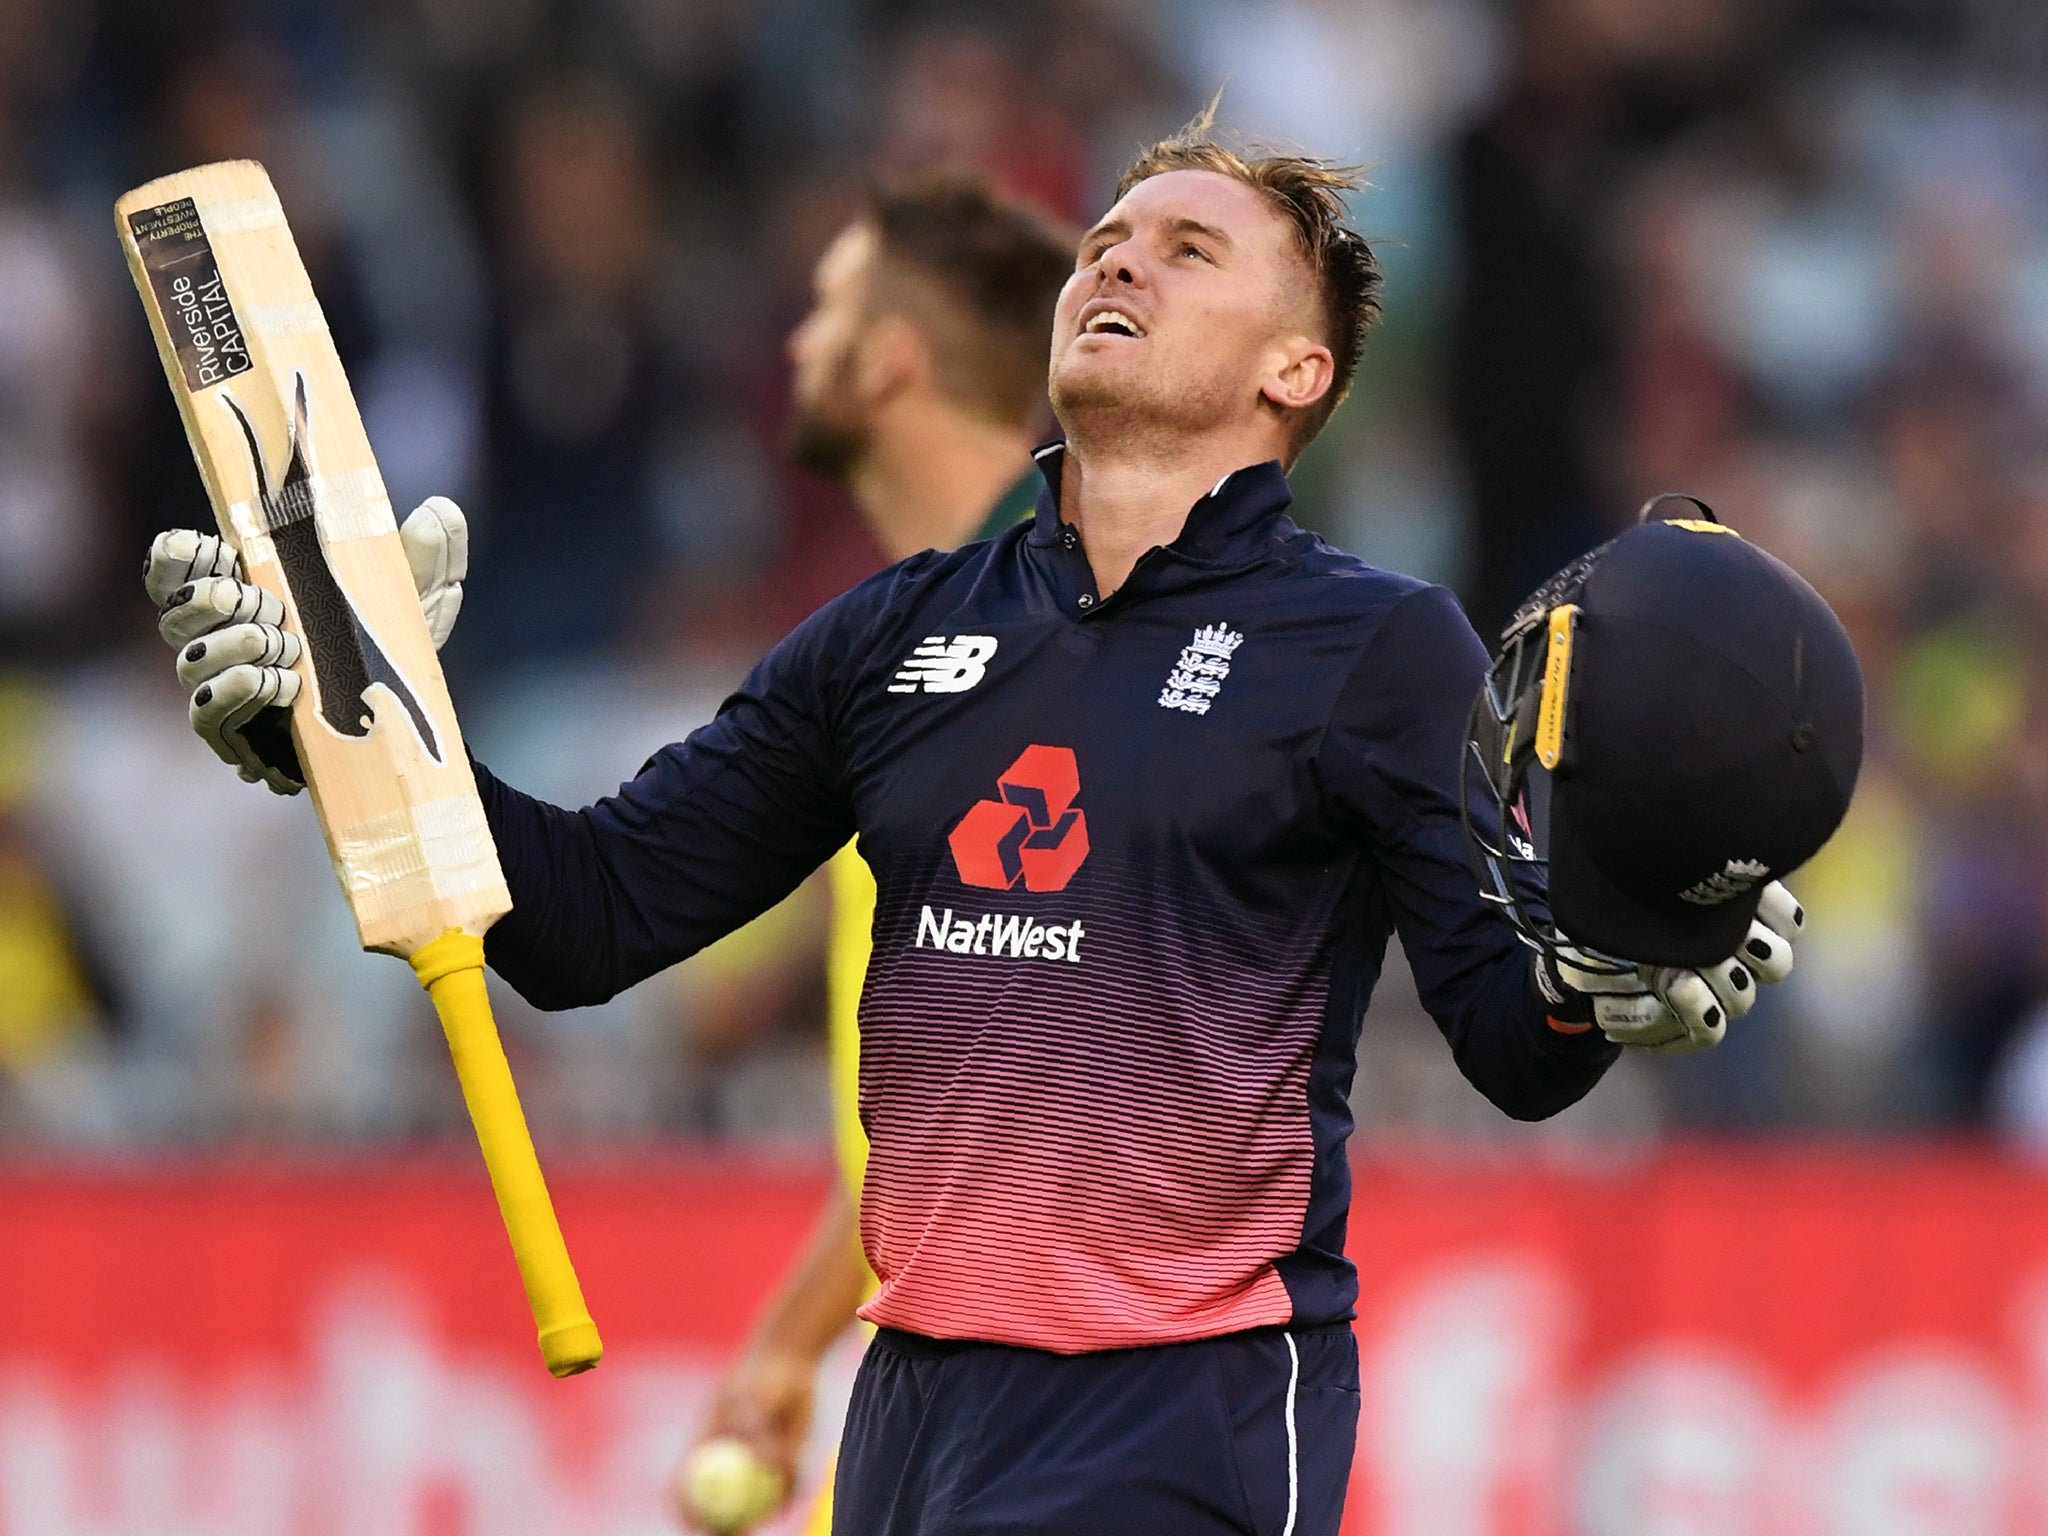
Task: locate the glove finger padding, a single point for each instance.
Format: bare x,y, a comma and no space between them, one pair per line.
1674,1009
1671,1010
1703,1002
238,645
1781,912
1768,956
1697,1014
213,602
436,539
182,556
1780,919
223,707
234,654
1733,986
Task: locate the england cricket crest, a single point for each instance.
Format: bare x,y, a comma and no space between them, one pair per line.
344,657
1198,676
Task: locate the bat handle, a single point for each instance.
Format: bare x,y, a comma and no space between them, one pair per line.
451,968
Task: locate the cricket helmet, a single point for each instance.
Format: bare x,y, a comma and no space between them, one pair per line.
1672,721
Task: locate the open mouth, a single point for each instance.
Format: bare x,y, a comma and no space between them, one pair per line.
1110,322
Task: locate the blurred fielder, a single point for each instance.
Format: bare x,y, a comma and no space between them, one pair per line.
919,379
1146,784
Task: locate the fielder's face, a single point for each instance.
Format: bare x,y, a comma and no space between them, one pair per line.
1191,307
829,426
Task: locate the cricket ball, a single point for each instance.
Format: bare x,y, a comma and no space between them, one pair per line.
728,1486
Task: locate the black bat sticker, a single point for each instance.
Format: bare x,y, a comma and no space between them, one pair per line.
347,661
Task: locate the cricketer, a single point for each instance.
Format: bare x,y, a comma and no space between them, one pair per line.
1146,784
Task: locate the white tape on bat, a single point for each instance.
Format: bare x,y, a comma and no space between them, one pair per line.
353,505
302,319
386,859
241,215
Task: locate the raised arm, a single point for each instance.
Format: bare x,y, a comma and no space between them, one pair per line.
713,831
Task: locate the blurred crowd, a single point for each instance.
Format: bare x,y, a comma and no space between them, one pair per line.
1790,257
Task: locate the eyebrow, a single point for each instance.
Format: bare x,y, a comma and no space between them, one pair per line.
1181,225
1106,227
1186,226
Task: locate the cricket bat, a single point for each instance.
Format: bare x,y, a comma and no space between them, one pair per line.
294,487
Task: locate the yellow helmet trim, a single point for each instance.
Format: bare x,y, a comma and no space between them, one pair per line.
1557,667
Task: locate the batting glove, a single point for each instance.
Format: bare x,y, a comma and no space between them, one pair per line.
436,539
235,656
1671,1009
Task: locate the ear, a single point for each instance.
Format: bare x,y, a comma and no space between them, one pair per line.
893,358
1299,373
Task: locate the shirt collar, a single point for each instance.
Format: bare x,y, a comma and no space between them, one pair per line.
1013,506
1236,505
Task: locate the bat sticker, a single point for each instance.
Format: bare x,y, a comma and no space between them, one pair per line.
346,659
184,273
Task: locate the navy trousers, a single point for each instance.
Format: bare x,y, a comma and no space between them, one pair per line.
1250,1434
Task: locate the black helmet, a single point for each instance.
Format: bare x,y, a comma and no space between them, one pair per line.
1673,720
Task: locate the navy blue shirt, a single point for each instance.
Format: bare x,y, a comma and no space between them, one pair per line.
1138,858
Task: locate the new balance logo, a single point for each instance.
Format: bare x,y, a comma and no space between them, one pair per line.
940,665
1018,938
1198,676
1033,834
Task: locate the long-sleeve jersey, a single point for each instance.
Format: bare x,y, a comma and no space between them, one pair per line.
1137,860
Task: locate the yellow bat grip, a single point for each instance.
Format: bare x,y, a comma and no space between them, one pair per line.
451,968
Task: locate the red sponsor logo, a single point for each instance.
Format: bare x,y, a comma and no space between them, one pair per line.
1033,834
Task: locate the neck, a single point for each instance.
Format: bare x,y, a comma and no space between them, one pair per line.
931,473
1127,496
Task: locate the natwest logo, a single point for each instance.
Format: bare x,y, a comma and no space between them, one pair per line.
1018,937
1033,833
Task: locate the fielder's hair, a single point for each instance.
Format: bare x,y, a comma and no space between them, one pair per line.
1310,195
978,273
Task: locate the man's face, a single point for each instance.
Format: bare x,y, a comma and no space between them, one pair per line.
1185,297
829,426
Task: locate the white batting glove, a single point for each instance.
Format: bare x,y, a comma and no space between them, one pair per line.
1674,1010
436,539
234,653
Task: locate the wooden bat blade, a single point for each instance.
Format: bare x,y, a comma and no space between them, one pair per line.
280,444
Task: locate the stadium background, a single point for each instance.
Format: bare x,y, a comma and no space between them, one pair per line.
1791,256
